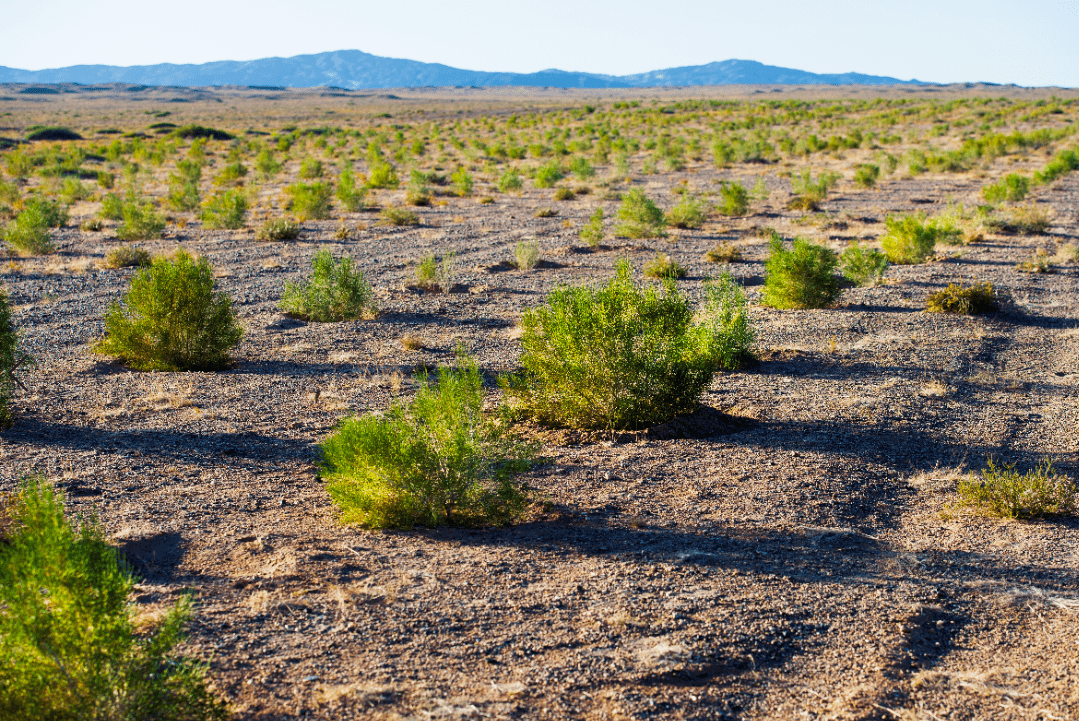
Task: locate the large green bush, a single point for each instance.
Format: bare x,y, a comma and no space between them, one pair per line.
802,277
909,239
309,201
70,648
172,319
623,356
11,360
334,291
28,234
639,217
439,459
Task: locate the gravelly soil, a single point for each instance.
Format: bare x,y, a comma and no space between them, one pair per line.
787,553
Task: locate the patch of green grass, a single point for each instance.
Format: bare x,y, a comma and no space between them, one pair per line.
334,291
866,175
226,210
171,319
662,267
309,201
564,194
438,459
802,277
1004,492
863,266
971,300
639,217
278,229
71,646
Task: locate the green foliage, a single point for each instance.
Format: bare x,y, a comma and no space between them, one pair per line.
172,319
278,229
639,216
127,256
582,168
226,210
199,131
19,164
351,195
1012,187
11,359
526,254
382,175
809,193
802,277
69,641
866,175
622,356
334,291
863,266
592,232
510,181
1003,492
662,267
311,168
434,276
735,199
972,300
688,213
266,165
909,239
112,207
564,194
462,182
547,175
1065,162
724,253
28,234
436,460
51,133
309,201
73,191
141,221
399,216
232,173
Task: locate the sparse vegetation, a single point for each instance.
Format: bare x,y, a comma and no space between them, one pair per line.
12,360
724,253
334,291
431,275
141,221
802,277
592,232
526,254
1012,187
688,213
863,266
351,195
663,267
639,217
278,229
309,201
226,210
866,175
735,199
909,239
970,300
1004,492
399,216
28,234
126,256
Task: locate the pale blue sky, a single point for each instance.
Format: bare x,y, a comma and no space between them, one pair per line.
1030,43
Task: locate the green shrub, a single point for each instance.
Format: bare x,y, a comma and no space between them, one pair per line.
351,195
863,266
735,199
1004,492
1065,162
311,168
462,182
802,277
92,225
547,175
19,164
564,194
28,234
199,131
69,639
526,254
309,201
621,356
688,213
171,319
51,133
1039,262
809,193
724,253
909,239
434,276
126,256
1012,187
73,191
278,229
227,210
592,232
11,360
663,267
1027,219
436,460
544,213
399,216
334,291
266,164
582,168
866,175
510,181
639,217
382,175
973,300
112,207
141,221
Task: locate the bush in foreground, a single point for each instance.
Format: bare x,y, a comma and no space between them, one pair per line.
972,300
334,291
70,647
621,356
802,277
171,319
436,460
1004,492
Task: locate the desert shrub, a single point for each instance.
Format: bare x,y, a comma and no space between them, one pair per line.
19,163
52,133
802,277
351,195
972,300
863,266
171,319
866,175
688,213
735,199
810,192
959,226
438,459
311,168
233,172
141,221
92,225
199,131
564,194
1004,492
526,254
1039,262
50,212
334,291
639,216
11,360
226,210
309,201
724,253
1065,162
382,175
1027,219
664,268
1067,253
510,181
266,165
1012,187
399,216
621,356
73,191
463,183
278,229
547,175
28,234
544,213
909,239
592,232
112,207
71,646
434,276
126,256
582,168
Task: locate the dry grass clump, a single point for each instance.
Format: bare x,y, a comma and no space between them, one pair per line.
126,256
724,252
972,300
526,254
1039,262
663,267
1003,492
278,229
412,342
545,213
399,217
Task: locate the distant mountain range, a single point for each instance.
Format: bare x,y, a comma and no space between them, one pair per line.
353,70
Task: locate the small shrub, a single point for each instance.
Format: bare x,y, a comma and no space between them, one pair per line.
1039,262
809,193
73,191
334,291
141,221
351,195
11,360
266,165
106,179
688,213
545,213
1012,187
200,131
866,175
639,217
399,216
592,232
434,276
973,300
620,356
510,181
564,194
863,266
582,168
1004,492
436,460
311,168
28,234
92,225
232,173
526,254
663,267
802,277
909,239
735,199
547,175
382,175
171,319
112,207
126,256
227,210
278,229
463,182
724,253
72,646
1029,219
309,201
52,133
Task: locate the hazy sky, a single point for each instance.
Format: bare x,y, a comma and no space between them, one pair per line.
1035,42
